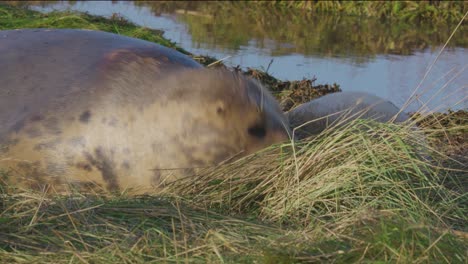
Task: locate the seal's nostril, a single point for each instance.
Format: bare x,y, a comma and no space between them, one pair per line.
258,131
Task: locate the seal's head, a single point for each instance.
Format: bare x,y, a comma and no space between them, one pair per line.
228,111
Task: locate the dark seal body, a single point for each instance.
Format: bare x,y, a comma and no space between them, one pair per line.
313,117
108,112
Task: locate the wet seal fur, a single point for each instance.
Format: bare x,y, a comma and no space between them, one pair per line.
105,112
313,117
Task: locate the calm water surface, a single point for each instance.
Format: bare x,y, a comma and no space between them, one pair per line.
379,57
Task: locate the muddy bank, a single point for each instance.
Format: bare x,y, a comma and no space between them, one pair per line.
448,133
289,93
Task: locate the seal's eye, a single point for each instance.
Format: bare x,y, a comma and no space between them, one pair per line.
220,108
258,131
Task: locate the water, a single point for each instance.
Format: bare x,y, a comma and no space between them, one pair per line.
380,57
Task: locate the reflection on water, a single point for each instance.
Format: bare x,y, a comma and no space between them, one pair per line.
384,58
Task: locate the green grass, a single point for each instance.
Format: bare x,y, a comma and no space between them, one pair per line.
362,194
411,11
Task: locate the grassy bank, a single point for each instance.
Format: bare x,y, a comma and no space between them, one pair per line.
334,34
411,11
360,194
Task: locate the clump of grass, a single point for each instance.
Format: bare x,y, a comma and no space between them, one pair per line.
364,165
105,229
365,182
